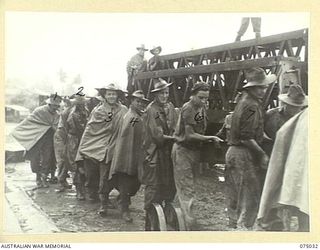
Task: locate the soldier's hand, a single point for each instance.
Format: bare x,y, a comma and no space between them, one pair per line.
81,170
264,161
214,139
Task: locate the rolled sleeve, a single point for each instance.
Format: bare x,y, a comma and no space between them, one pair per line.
249,123
189,116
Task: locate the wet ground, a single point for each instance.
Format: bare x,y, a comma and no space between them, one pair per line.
61,212
44,210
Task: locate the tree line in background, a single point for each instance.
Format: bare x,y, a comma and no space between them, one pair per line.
26,94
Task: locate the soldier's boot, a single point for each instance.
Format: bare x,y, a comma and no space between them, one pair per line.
125,214
38,180
53,179
103,211
80,192
109,204
44,181
66,185
92,195
61,188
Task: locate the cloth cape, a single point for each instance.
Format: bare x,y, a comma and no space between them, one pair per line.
128,154
31,129
99,136
287,176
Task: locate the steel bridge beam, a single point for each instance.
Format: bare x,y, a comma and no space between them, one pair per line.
218,67
295,36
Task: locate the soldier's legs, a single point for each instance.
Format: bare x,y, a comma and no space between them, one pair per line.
105,187
168,191
47,157
92,174
130,86
249,198
151,195
243,27
256,25
128,186
232,195
183,162
303,220
79,181
35,163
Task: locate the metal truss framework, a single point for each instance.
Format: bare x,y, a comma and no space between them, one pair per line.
223,67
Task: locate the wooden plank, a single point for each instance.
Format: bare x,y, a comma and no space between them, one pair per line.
238,45
226,66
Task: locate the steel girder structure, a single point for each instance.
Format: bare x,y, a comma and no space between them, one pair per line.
223,67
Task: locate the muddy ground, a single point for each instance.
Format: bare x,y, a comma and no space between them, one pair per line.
70,215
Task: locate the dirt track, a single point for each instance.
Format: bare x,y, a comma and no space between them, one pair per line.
70,215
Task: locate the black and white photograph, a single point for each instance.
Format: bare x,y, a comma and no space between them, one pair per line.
137,122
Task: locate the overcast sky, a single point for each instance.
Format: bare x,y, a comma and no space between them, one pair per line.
97,46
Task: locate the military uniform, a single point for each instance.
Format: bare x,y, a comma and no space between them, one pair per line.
186,158
274,119
60,141
141,64
242,167
97,146
157,170
76,124
36,134
127,159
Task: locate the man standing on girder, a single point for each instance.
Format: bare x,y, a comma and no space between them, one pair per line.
256,25
245,157
135,64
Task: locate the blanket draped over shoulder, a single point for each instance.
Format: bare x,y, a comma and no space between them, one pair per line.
287,177
128,150
99,136
31,129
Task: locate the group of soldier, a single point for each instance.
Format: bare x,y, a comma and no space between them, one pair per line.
155,144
